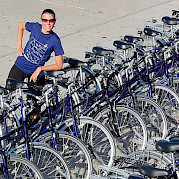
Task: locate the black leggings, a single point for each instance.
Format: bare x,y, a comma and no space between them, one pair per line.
17,74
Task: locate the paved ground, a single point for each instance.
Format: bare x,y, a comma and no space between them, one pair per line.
81,24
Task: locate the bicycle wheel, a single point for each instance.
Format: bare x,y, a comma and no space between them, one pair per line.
90,82
48,160
84,76
127,127
96,137
74,152
114,80
153,115
169,101
86,84
20,168
155,158
12,111
174,83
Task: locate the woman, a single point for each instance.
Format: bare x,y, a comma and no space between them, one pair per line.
42,42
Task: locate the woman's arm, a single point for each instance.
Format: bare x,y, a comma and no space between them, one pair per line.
21,28
57,66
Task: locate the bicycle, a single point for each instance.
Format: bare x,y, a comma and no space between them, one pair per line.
36,152
92,128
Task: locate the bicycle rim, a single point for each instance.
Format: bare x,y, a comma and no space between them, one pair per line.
168,100
21,168
74,152
153,115
96,137
128,128
48,160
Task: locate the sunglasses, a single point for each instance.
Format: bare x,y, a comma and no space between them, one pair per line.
49,20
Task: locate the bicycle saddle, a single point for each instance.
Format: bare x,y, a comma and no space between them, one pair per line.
54,73
122,45
13,84
135,177
132,39
58,76
101,51
152,172
150,32
170,20
168,146
74,62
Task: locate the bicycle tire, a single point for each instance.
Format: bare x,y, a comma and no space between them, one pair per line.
151,157
169,101
48,160
153,115
87,75
102,147
89,79
113,81
73,151
20,168
86,83
123,126
174,83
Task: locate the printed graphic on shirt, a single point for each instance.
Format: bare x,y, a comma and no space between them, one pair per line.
35,51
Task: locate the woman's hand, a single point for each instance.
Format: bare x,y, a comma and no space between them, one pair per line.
35,74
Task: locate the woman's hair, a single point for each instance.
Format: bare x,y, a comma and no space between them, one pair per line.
50,11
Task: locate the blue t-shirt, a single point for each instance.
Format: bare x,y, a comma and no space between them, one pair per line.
38,49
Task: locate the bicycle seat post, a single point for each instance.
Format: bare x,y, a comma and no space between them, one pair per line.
23,114
176,48
20,98
103,58
1,122
71,108
81,77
